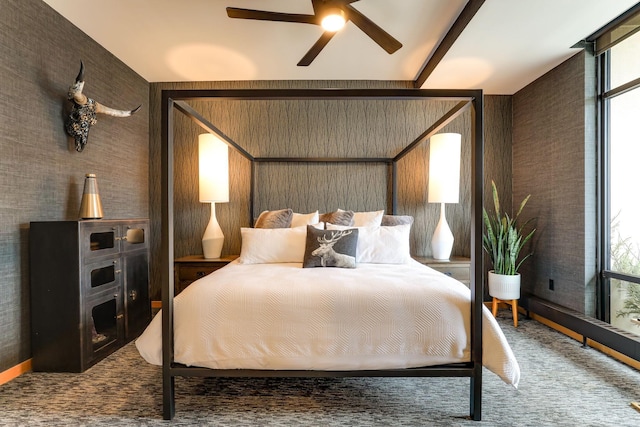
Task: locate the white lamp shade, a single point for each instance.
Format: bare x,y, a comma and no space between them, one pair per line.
444,168
213,156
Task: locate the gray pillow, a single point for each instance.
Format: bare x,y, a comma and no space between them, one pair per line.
338,218
391,220
330,248
275,219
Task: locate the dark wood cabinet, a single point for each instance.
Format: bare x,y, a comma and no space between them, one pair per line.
457,267
190,268
89,290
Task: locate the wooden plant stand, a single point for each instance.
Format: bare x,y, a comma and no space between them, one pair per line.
514,307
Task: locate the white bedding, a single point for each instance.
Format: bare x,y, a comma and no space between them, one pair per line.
282,316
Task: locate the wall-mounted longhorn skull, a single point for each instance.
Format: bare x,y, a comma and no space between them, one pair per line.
83,115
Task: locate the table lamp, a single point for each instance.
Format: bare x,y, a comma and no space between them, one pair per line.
213,155
444,186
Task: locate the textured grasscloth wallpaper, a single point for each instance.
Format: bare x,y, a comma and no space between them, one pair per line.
41,175
554,161
317,128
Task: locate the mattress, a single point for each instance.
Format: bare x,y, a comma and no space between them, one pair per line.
282,316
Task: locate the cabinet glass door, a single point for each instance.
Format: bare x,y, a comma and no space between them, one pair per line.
134,237
99,239
104,325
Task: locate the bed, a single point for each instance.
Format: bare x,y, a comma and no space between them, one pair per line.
280,316
458,311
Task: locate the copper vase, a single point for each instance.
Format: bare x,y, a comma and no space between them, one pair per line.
90,206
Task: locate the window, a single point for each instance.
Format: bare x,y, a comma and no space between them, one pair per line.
620,172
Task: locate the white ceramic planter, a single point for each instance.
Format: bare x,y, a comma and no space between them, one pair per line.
504,287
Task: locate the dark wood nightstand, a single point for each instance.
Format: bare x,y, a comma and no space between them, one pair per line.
190,268
457,267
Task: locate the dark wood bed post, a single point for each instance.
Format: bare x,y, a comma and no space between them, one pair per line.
166,256
477,292
175,99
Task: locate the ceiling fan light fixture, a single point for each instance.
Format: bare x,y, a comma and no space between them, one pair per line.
331,15
333,20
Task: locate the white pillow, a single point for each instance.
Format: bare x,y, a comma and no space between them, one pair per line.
381,245
268,245
367,219
305,219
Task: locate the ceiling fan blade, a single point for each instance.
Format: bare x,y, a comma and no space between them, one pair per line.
316,48
380,36
262,15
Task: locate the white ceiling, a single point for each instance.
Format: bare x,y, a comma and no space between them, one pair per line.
508,44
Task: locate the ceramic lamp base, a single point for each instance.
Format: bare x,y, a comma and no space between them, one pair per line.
442,240
213,238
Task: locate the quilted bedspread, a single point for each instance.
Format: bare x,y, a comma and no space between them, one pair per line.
282,316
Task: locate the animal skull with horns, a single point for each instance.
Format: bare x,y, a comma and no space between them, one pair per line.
83,115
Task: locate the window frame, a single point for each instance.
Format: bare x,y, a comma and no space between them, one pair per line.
605,95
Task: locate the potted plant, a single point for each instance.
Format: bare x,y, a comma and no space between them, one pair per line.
503,239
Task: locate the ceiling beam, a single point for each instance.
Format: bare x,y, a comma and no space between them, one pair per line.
469,11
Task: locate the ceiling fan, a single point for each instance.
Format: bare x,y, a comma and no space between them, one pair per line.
338,9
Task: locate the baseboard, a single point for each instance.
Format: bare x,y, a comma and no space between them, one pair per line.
591,343
15,372
591,332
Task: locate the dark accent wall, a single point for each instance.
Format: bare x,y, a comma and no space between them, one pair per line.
554,160
318,129
497,154
497,147
41,175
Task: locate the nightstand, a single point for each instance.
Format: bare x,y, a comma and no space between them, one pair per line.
190,268
457,267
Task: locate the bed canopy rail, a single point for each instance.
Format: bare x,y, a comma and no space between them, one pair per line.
178,100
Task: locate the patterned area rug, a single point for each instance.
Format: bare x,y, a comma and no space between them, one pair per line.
562,384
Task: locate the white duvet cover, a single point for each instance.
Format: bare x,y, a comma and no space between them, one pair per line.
283,316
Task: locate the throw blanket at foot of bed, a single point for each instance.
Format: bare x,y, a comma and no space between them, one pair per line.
282,316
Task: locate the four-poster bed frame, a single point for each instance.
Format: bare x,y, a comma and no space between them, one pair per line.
173,100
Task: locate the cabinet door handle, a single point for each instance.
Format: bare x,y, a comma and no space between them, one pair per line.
133,295
201,274
119,316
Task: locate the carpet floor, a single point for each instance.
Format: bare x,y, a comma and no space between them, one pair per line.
563,384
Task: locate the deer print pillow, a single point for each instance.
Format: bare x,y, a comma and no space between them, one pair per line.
330,248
